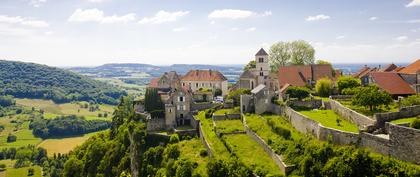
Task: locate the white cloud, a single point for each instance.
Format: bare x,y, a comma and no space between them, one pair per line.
373,18
340,37
163,16
180,29
37,3
25,21
95,15
413,3
251,29
234,29
213,22
236,14
401,38
413,21
318,17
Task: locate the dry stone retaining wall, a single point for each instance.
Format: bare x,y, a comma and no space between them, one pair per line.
404,112
404,142
360,120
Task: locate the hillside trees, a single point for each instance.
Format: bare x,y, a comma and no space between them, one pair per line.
153,104
28,80
251,64
371,96
295,53
347,82
6,101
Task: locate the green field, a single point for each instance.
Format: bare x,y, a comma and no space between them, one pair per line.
252,154
259,125
328,118
23,134
219,149
21,172
227,111
405,120
190,149
52,110
228,126
130,88
64,145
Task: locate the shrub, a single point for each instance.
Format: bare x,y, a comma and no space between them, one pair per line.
11,138
347,82
411,100
350,91
174,139
415,124
285,133
298,92
236,95
218,92
324,87
203,152
31,171
371,96
6,101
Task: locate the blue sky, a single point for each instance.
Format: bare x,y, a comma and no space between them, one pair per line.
94,32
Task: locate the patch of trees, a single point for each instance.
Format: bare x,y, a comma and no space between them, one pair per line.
236,95
11,138
6,101
411,100
28,80
291,53
298,92
153,104
324,87
24,156
371,96
346,84
66,126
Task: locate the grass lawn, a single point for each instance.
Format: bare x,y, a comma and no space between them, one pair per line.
251,153
365,110
322,98
227,111
328,118
227,126
64,145
190,149
24,137
405,120
21,172
215,143
52,110
8,162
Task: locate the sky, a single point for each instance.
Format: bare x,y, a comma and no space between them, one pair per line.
164,32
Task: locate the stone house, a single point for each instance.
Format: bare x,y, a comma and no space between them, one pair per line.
259,75
178,108
205,79
411,74
259,101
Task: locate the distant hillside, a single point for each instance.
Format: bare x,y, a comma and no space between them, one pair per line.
29,80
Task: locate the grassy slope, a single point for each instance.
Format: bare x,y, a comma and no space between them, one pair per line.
190,149
20,172
405,120
328,118
64,145
226,126
251,153
24,135
52,110
215,143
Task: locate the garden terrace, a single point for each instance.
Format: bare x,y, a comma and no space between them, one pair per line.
229,126
365,110
251,154
404,120
190,150
227,111
329,118
217,146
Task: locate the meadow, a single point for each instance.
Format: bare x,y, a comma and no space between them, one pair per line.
329,118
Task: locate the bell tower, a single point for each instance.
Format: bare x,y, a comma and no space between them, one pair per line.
262,66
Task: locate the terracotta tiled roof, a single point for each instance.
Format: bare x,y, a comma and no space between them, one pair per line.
261,52
154,82
389,68
361,71
299,75
411,68
364,72
203,75
392,83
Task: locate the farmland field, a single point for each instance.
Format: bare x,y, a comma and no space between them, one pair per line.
64,145
23,134
19,172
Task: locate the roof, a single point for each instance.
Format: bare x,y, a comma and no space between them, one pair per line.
261,52
154,82
388,68
412,68
247,75
364,72
392,83
203,75
258,89
300,74
284,88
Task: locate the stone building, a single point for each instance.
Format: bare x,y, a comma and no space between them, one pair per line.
260,74
259,102
178,108
205,79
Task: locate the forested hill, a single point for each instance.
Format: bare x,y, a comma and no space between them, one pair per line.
29,80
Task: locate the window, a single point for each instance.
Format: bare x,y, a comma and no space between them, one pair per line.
181,107
196,84
181,116
261,60
170,110
183,84
202,84
181,99
261,74
261,69
266,101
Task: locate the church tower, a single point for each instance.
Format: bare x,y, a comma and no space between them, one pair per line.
262,66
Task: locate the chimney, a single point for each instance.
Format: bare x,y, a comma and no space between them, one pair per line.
210,72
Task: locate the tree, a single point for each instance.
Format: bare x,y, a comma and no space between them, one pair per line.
298,92
31,171
347,82
251,64
73,167
7,101
324,87
323,62
11,138
218,92
411,100
236,95
371,96
295,53
152,103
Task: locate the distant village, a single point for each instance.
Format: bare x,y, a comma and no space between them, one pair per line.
265,91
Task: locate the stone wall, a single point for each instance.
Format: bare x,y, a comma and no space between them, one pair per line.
202,106
381,118
360,120
313,103
341,97
301,122
374,142
337,136
155,124
225,116
204,141
405,143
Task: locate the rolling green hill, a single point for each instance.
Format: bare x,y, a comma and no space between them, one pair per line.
29,80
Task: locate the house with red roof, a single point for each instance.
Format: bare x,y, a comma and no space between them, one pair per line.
392,83
411,74
198,80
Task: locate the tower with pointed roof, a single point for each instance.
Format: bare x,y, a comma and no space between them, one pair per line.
262,69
